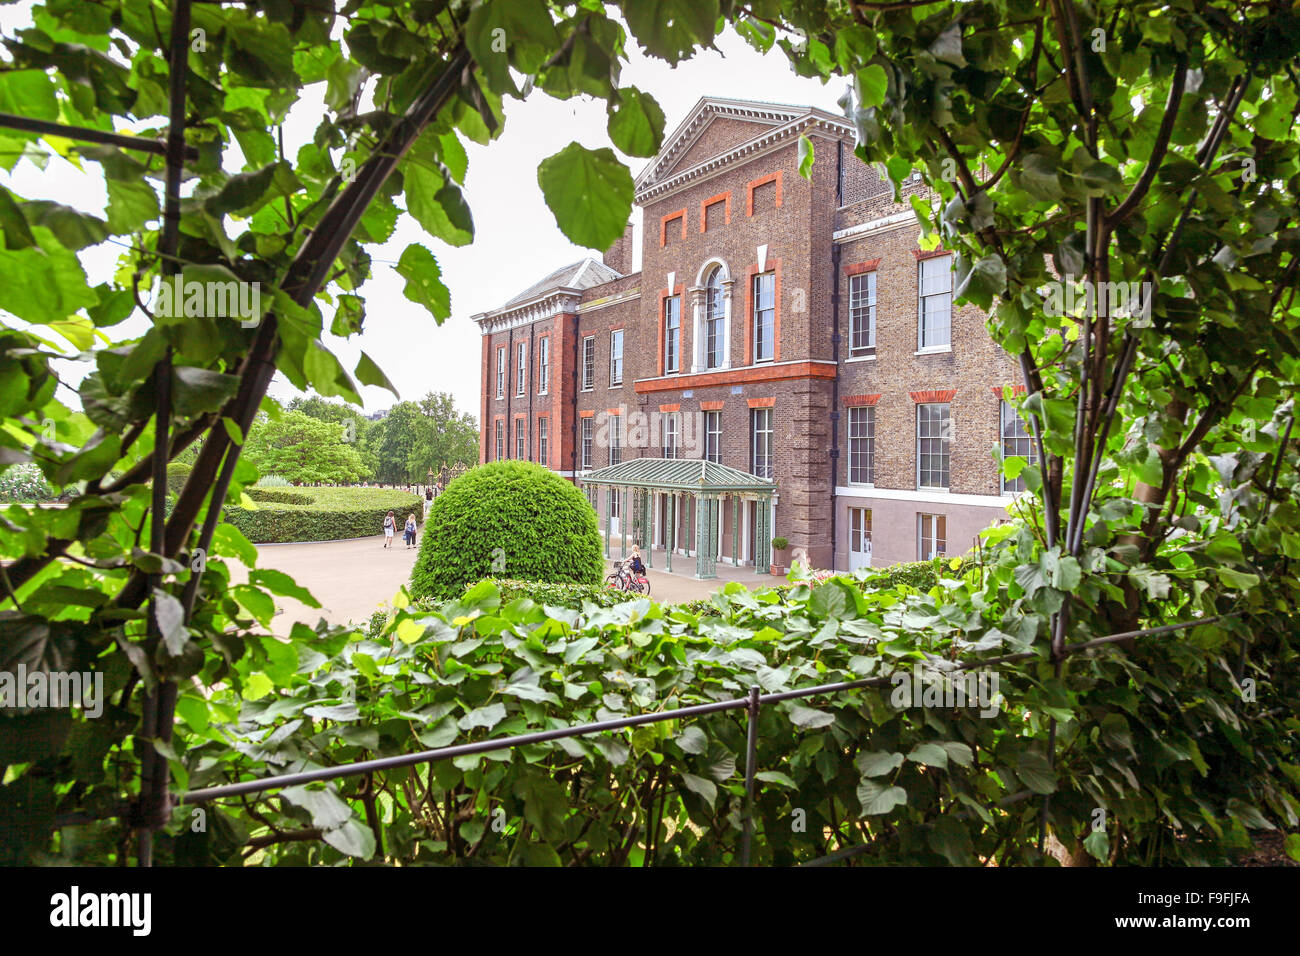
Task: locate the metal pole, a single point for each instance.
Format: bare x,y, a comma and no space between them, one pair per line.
670,533
623,516
609,496
751,759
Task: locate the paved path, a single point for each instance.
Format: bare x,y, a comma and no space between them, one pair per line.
352,579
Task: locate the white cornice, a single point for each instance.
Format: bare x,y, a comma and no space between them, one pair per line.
605,301
883,224
814,123
546,306
866,492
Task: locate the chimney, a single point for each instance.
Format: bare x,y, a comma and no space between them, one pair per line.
619,256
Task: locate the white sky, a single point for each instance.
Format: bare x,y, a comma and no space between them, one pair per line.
516,238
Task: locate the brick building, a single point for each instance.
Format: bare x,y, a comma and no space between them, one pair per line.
786,327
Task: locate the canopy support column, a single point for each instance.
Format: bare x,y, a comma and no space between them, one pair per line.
735,530
763,541
670,533
609,497
625,495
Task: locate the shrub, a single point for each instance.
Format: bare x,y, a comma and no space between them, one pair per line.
25,482
177,475
780,544
272,481
321,514
922,575
510,516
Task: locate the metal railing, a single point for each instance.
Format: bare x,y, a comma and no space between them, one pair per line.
751,703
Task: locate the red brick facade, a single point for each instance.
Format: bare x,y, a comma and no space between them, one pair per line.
814,238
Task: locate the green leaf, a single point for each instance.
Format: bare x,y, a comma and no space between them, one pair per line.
671,29
692,740
931,755
705,788
486,717
169,614
423,285
807,718
1034,770
950,838
636,123
590,193
199,390
878,763
873,84
878,798
806,157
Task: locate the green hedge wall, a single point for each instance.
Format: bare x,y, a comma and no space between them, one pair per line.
324,514
510,517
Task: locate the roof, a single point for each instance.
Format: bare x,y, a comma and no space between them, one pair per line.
582,274
678,474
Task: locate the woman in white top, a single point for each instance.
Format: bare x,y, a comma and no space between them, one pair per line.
390,524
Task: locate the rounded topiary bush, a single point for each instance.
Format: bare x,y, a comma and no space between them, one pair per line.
507,519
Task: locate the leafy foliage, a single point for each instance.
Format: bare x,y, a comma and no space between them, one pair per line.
511,516
305,450
320,514
870,768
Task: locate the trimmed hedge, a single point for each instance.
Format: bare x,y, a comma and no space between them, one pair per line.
322,514
510,516
177,475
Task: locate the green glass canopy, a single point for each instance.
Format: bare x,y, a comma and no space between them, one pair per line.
635,481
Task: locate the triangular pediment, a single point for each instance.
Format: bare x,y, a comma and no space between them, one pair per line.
714,126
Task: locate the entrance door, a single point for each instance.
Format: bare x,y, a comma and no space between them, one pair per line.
859,538
615,498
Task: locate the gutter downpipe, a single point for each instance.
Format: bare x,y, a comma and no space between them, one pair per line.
835,350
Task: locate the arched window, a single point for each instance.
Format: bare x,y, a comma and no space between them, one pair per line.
714,340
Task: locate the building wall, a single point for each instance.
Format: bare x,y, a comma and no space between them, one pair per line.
726,216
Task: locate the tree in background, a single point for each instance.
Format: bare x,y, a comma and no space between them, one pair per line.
304,450
444,437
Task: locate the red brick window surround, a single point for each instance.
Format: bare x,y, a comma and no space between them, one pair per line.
711,406
752,299
852,401
857,268
998,390
762,402
704,209
670,330
676,407
499,437
762,181
665,220
933,395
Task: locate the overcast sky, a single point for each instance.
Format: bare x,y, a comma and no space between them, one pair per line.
516,239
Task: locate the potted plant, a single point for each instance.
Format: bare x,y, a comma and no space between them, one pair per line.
780,548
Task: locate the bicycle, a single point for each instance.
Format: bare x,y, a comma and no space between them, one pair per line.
627,581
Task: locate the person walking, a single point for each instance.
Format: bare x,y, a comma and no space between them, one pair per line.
409,533
390,525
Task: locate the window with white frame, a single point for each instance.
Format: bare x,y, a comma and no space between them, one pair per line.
714,344
862,313
935,305
862,444
587,427
616,357
713,436
931,536
765,317
543,441
521,440
543,365
500,440
760,443
615,439
501,372
1016,441
933,444
671,433
672,333
521,368
588,363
